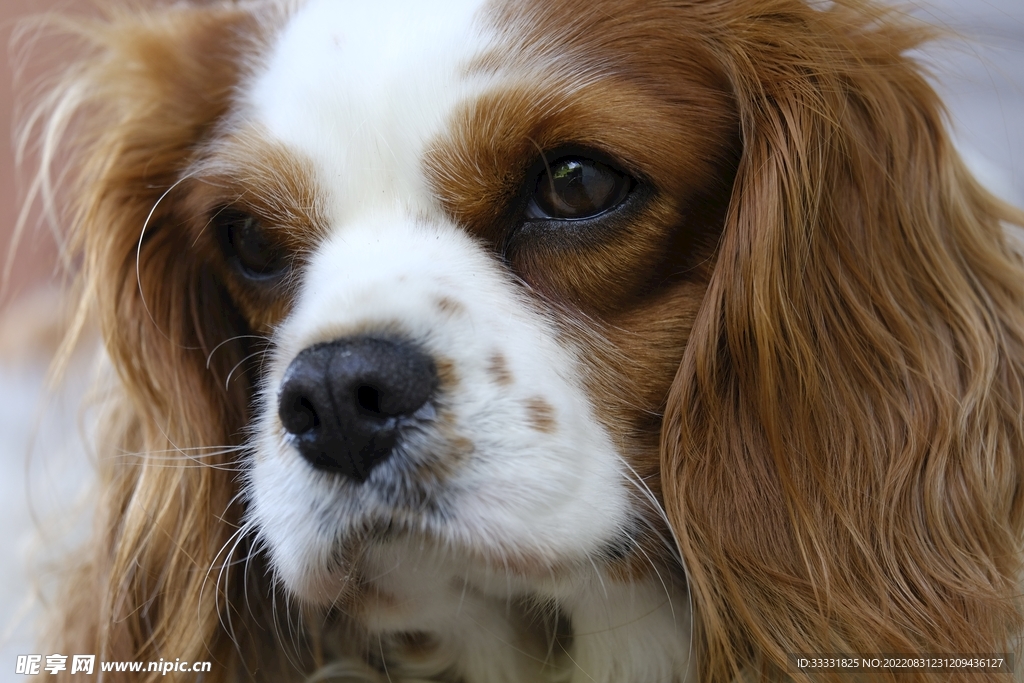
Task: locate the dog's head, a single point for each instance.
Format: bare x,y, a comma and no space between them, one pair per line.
557,288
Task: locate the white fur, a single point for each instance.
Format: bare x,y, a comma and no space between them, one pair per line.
361,90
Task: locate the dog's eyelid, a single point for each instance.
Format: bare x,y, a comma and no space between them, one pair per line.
243,235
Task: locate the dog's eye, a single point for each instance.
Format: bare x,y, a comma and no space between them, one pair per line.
574,188
246,242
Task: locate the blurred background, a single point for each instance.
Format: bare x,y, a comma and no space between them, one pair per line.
36,254
42,464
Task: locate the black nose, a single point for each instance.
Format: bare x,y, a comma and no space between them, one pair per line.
344,401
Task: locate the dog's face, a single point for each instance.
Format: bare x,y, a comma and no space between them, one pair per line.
610,306
476,273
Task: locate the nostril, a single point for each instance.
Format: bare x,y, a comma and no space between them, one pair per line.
299,417
306,418
368,398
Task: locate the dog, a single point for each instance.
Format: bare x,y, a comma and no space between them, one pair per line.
530,341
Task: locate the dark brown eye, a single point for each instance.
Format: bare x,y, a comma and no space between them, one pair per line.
246,242
574,188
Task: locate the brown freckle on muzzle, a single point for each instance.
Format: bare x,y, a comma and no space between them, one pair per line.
449,306
497,368
463,446
453,449
447,376
541,415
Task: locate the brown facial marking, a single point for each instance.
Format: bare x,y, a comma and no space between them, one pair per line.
659,89
627,286
454,449
447,375
497,368
541,415
449,306
463,446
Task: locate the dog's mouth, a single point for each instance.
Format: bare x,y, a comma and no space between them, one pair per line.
418,500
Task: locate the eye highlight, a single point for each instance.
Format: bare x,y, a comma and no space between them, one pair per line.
245,242
576,188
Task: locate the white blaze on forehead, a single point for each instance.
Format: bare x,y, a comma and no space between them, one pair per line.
361,87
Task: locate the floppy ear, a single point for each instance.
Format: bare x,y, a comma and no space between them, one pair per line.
131,116
842,450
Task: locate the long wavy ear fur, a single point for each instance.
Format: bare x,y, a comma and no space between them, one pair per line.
843,448
128,120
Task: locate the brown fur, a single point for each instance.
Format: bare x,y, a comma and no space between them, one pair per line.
808,340
541,415
843,443
155,87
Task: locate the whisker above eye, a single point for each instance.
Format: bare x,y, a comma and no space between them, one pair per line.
261,352
260,337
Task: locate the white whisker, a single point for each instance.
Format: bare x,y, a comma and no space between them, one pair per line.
209,356
138,250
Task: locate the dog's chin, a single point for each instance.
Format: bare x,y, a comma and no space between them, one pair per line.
342,572
320,588
329,571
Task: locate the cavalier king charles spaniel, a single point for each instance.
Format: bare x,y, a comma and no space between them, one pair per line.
522,341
